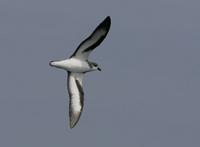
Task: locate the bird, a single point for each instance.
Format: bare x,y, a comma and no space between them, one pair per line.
77,65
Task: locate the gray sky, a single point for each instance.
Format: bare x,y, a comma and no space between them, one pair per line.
147,95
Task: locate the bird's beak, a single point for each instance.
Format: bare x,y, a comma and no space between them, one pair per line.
99,69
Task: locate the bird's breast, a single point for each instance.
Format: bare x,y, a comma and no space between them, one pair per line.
76,65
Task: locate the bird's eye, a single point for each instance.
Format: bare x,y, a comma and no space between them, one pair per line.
95,65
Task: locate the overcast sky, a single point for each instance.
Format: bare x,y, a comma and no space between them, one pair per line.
147,95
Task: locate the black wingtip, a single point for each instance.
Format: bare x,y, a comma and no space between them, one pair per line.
74,118
107,20
105,23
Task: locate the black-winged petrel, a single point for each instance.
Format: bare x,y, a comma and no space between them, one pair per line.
77,65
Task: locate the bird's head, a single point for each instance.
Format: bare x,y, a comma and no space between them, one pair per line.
95,66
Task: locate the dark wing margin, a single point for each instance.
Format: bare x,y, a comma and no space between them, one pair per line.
94,39
76,99
75,116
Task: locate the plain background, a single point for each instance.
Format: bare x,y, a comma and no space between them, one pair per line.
147,95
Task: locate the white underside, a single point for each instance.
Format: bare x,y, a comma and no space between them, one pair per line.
72,65
75,94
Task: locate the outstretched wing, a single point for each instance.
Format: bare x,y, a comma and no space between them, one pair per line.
98,35
76,96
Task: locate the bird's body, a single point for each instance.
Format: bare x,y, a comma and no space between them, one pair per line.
77,65
74,65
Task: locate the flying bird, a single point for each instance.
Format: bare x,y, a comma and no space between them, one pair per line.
77,65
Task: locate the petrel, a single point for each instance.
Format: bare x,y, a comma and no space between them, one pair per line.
77,65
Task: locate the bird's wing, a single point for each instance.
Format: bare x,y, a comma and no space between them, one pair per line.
98,35
76,96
